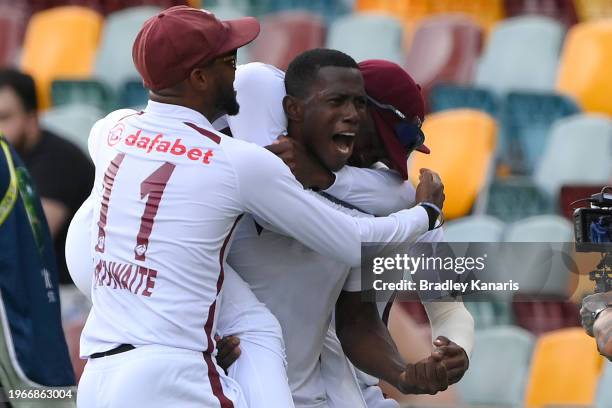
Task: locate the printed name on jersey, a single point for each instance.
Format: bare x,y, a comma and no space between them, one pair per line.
133,278
157,144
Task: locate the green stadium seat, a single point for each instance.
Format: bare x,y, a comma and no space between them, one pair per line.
526,122
516,198
88,92
133,94
449,96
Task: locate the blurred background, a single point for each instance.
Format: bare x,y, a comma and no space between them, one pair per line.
519,98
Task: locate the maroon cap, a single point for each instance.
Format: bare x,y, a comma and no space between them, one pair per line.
389,84
170,44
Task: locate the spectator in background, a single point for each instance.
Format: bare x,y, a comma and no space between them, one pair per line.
62,173
32,344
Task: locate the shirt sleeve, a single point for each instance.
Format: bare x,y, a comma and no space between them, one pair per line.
353,281
376,191
268,190
260,90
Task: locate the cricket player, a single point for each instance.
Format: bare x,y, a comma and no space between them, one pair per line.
299,286
168,193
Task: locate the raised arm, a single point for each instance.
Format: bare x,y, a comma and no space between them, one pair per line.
270,192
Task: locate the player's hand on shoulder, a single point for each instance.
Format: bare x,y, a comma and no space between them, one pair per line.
228,351
428,376
430,188
454,357
304,166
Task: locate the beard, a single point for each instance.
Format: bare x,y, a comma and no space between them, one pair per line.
227,101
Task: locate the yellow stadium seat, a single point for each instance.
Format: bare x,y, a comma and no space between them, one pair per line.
486,12
60,43
565,368
584,71
462,144
593,9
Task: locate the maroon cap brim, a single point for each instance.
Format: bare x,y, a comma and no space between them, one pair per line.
240,32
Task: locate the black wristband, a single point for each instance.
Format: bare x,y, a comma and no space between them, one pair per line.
432,214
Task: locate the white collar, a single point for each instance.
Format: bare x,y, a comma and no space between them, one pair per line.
177,112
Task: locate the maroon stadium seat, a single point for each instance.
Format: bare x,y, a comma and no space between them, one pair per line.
12,25
571,193
561,10
445,49
285,35
539,314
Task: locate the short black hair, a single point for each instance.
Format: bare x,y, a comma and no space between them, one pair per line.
303,70
23,85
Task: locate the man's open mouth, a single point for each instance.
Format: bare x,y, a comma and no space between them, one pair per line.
344,142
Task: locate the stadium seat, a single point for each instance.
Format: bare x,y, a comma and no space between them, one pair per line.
88,92
498,367
507,64
516,198
527,119
593,9
367,36
564,370
12,21
541,314
545,268
449,96
578,152
603,397
444,49
584,70
463,144
486,12
474,228
133,94
114,58
561,10
571,193
328,9
285,35
72,122
60,43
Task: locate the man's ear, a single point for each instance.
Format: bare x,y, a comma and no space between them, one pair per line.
201,79
294,108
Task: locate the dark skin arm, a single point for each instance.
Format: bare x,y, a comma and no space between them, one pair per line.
602,330
368,344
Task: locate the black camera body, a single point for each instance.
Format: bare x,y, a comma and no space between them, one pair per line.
593,226
593,233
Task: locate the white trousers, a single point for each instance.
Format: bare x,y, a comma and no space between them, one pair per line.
155,376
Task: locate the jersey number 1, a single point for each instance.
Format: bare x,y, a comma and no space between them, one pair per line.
153,187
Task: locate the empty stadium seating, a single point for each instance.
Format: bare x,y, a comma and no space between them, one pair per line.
285,35
89,92
498,367
114,63
507,64
445,49
486,12
593,9
541,314
60,43
449,96
552,381
584,70
561,10
367,36
513,199
603,398
12,25
527,119
570,195
72,122
578,153
463,143
474,228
